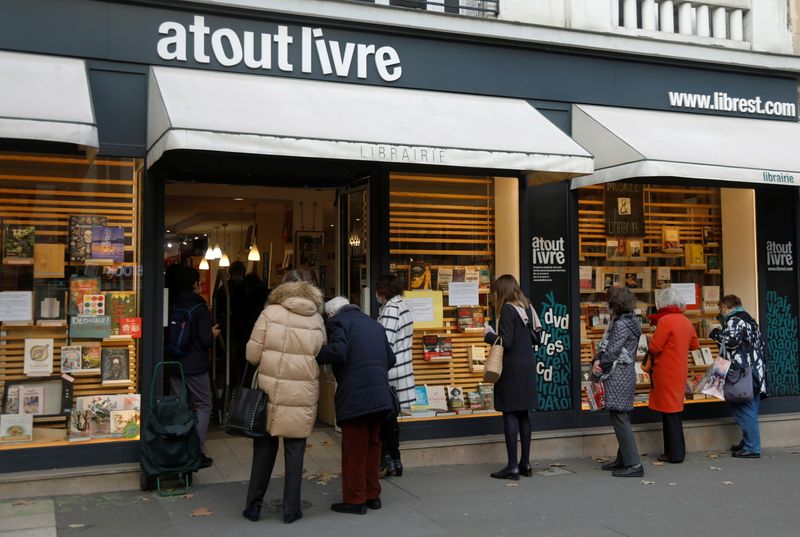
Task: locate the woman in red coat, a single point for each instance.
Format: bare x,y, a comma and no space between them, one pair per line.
669,348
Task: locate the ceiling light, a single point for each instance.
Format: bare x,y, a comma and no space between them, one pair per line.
204,265
254,254
184,243
169,245
238,199
169,231
224,261
209,253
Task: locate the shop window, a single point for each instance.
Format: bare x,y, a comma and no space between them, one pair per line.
646,237
442,245
69,299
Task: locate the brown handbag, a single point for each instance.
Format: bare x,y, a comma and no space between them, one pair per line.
494,363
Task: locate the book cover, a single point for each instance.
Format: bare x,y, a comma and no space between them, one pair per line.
120,305
477,358
115,368
80,236
585,275
124,423
694,256
108,243
698,299
611,248
48,260
622,247
586,371
93,305
670,239
663,276
78,287
430,346
697,357
475,401
459,275
11,403
464,316
641,376
70,358
714,379
710,294
445,348
131,401
437,398
420,275
98,327
708,357
31,400
455,397
472,275
634,280
78,429
635,248
38,357
484,279
610,279
50,304
16,428
710,236
443,278
478,317
486,392
595,395
421,401
712,262
90,358
130,326
18,245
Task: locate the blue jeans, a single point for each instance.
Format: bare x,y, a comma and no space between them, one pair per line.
746,415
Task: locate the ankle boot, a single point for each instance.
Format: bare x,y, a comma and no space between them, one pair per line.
398,467
387,466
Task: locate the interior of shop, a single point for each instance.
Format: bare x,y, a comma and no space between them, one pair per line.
699,240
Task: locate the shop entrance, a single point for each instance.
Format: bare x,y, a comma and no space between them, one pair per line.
244,239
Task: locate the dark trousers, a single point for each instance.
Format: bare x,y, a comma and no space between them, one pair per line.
674,443
198,388
627,452
390,439
361,459
264,452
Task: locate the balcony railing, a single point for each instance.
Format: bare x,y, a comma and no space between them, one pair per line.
474,8
723,19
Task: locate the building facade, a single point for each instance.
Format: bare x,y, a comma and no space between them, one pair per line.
574,145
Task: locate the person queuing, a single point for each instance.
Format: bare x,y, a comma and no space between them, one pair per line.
743,344
515,391
283,346
361,357
669,347
614,366
396,319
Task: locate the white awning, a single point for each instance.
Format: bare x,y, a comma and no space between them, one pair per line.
629,143
213,111
46,98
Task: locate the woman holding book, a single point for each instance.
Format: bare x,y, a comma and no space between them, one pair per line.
515,391
669,366
614,366
396,319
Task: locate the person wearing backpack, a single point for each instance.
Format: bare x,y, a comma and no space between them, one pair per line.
744,346
190,335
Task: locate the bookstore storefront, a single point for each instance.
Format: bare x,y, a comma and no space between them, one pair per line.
462,178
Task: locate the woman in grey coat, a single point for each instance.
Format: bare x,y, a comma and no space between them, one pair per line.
614,366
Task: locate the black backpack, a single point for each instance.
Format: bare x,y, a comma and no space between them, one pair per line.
179,331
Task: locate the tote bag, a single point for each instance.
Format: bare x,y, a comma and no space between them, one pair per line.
247,411
494,363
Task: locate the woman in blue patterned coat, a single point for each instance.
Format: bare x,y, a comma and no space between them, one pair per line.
614,366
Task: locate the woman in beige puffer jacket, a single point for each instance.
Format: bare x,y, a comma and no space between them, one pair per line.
283,345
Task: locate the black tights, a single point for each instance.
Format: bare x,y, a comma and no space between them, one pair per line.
517,424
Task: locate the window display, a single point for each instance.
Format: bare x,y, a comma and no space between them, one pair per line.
69,299
647,237
442,234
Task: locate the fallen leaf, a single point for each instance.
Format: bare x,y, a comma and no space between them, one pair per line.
645,482
601,459
713,455
22,502
512,485
202,511
658,463
145,499
558,465
715,468
727,482
671,484
188,496
76,526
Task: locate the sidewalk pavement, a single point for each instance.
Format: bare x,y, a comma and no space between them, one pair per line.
709,495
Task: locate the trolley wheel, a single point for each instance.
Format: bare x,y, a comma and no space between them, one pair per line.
145,483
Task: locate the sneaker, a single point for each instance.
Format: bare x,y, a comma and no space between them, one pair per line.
206,461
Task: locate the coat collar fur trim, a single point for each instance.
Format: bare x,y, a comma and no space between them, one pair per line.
299,297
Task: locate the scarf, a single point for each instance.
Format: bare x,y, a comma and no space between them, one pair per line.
734,311
666,310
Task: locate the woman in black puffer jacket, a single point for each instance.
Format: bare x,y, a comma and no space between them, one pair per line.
614,365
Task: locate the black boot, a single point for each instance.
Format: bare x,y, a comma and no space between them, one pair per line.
387,466
398,467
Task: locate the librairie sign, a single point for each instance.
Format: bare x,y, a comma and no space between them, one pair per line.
268,51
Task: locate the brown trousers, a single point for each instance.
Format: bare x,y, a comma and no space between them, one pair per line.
361,459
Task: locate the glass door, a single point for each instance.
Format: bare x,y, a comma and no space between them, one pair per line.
355,245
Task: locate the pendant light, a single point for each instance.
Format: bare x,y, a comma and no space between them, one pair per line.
204,264
223,260
217,251
209,255
254,254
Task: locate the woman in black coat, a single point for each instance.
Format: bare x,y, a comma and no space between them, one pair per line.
515,391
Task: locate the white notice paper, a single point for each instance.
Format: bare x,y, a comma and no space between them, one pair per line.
421,309
687,292
16,306
462,294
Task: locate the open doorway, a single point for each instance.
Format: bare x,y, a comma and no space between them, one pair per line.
244,238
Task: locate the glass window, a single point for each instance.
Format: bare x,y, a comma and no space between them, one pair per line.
647,237
69,299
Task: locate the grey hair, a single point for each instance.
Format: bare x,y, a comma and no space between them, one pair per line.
669,297
333,305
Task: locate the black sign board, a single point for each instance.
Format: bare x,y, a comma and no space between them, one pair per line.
624,210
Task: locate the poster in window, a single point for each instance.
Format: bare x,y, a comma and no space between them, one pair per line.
308,250
624,210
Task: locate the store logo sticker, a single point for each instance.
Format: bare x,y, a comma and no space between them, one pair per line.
780,256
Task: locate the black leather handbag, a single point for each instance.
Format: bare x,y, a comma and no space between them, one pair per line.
247,411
